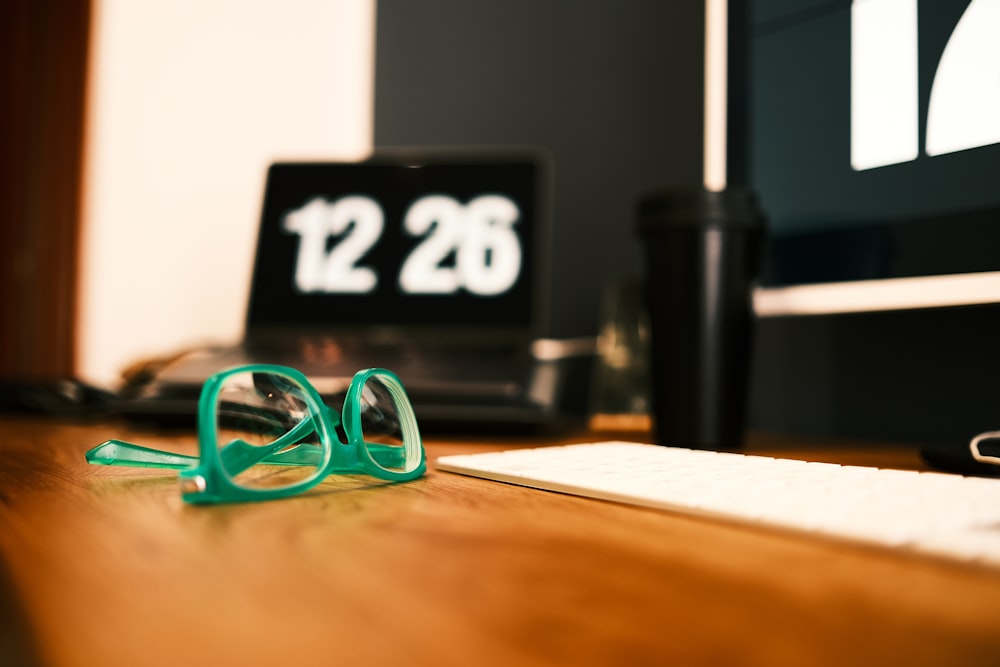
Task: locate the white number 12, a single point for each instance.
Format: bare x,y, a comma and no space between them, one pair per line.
360,220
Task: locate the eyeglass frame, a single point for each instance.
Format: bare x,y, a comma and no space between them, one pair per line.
203,478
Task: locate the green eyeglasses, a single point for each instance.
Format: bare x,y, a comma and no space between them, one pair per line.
264,433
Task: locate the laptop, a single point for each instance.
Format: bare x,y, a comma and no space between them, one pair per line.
428,263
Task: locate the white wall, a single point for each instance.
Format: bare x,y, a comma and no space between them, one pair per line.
189,100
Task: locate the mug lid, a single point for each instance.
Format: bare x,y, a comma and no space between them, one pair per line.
733,208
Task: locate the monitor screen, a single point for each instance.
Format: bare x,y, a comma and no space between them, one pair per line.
874,144
400,239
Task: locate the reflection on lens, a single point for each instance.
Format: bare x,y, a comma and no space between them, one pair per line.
381,425
265,433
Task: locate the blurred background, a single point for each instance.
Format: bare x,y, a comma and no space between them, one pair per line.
139,133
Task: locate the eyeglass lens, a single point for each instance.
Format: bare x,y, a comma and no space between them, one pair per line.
381,426
264,431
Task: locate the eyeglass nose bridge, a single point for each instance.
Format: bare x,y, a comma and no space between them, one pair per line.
991,440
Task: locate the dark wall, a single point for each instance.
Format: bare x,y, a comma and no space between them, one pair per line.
612,89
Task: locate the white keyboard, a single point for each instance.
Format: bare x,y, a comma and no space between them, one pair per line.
934,513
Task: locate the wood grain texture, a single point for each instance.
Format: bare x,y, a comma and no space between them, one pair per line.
43,70
111,568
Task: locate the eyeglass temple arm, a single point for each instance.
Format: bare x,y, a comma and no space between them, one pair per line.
239,455
121,453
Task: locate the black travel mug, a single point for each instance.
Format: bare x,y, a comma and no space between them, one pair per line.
702,254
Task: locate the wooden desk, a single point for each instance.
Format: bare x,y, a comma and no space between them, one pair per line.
109,567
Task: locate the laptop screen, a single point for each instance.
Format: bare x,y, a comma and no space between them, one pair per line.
400,240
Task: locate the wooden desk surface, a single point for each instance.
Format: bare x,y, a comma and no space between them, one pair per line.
108,567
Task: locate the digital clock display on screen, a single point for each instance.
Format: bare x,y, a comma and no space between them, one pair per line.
399,240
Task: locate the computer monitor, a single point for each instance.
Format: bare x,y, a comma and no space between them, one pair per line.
872,136
875,146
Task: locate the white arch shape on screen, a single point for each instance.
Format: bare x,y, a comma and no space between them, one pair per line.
964,110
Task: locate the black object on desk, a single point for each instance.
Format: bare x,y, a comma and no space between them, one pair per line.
60,397
956,458
702,254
